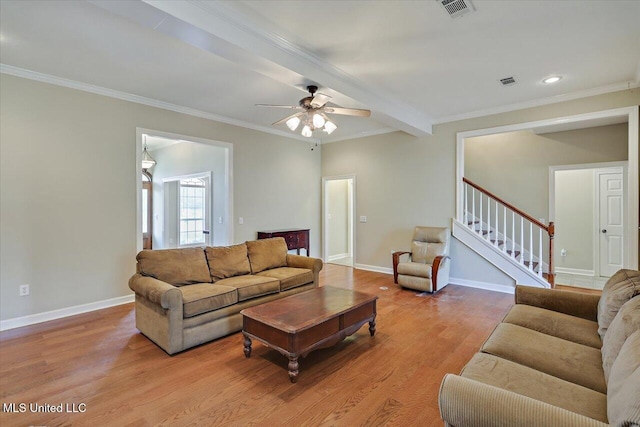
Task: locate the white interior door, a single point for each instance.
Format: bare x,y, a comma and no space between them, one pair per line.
611,212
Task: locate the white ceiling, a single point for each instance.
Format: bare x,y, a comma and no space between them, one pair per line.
407,61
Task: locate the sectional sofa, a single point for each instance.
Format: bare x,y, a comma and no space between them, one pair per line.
186,297
557,359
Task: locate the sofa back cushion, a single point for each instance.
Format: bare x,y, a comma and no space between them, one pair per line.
623,391
177,267
267,253
227,261
626,322
620,288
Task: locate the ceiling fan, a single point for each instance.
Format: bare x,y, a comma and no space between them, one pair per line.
313,113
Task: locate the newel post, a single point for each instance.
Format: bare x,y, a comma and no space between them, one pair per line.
552,276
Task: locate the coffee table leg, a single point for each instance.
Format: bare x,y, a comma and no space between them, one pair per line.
372,327
293,368
247,346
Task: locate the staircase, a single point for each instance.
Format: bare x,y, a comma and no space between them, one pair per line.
510,239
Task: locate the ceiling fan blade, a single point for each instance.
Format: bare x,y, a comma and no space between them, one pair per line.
319,100
293,107
348,111
287,118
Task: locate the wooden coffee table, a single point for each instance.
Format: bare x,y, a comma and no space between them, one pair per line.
301,323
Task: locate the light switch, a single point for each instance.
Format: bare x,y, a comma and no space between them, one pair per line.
240,220
363,218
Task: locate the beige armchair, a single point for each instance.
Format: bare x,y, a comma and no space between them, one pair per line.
427,268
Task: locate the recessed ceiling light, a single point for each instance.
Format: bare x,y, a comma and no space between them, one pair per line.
552,79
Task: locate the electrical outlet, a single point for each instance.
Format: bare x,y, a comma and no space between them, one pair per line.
24,290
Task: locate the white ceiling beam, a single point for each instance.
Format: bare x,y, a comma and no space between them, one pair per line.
209,23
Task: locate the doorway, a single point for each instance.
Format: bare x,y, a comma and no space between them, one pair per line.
338,215
587,204
185,156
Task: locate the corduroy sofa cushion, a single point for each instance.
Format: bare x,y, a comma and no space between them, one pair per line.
620,288
498,372
178,267
624,385
267,253
227,261
571,328
289,277
204,297
576,363
250,286
626,322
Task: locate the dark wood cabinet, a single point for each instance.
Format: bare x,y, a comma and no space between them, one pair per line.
295,238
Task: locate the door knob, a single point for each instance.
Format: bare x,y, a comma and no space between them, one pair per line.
604,231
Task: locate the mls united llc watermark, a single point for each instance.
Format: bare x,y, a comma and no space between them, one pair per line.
67,408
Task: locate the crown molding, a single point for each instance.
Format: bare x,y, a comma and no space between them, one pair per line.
99,90
539,102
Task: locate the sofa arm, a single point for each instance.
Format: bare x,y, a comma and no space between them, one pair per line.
465,402
297,261
162,293
572,303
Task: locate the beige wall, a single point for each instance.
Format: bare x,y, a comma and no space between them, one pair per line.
515,165
405,181
574,218
68,190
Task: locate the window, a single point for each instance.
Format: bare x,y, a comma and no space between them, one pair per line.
146,210
192,211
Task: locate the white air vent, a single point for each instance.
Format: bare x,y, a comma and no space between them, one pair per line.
508,81
457,8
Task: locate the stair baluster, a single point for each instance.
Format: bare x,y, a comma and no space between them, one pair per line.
489,228
540,252
531,246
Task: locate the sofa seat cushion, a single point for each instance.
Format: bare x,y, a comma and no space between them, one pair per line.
626,322
227,261
203,297
415,269
571,328
573,362
177,267
517,378
620,288
289,277
624,385
250,286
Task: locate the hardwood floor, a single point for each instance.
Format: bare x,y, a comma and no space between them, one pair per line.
100,360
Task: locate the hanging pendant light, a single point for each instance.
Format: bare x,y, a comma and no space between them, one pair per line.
147,160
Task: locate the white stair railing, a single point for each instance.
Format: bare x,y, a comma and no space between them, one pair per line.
518,243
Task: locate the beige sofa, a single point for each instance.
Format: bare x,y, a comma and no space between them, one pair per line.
557,359
185,297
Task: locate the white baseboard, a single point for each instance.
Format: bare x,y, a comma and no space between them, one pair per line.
338,256
506,289
482,285
578,271
32,319
385,270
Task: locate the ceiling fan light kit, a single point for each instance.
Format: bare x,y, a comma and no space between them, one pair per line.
313,115
293,123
